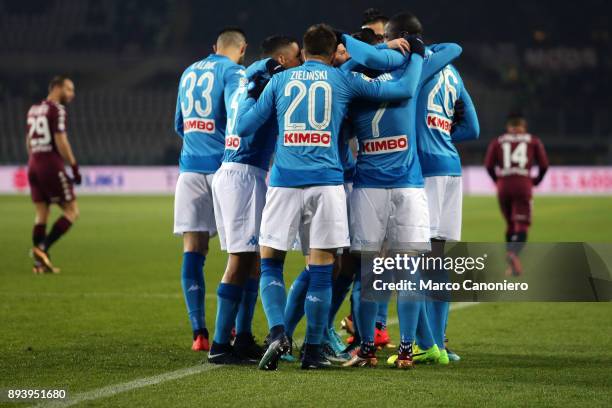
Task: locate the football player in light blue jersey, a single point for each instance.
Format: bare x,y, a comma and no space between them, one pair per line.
333,346
200,121
239,190
439,125
306,192
388,182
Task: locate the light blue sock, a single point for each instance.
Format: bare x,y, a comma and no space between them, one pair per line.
383,311
437,308
437,311
356,296
424,338
229,297
294,310
408,315
272,288
367,320
318,301
244,318
340,288
192,281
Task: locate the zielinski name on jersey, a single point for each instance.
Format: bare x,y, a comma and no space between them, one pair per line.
307,138
384,145
199,125
232,142
439,122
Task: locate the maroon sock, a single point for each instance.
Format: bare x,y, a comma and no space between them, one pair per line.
38,233
59,228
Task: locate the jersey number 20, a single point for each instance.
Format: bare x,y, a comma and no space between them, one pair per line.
325,88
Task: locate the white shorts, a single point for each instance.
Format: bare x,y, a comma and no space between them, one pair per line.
444,196
193,204
297,244
317,213
395,217
239,195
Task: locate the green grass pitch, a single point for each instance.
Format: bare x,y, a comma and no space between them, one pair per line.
115,315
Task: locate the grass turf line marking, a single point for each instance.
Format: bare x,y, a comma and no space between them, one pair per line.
135,295
111,390
453,307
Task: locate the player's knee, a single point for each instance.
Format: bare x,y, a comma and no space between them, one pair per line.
72,212
196,242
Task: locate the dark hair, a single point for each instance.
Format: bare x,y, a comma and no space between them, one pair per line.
373,15
367,35
320,39
274,43
57,80
516,118
404,23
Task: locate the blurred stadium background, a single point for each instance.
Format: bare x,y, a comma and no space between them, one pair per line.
551,60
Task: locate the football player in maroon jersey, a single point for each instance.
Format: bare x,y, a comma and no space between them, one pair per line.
48,149
508,161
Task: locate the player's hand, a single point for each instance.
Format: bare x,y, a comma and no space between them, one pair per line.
339,37
536,181
274,67
256,87
76,174
417,45
459,111
399,44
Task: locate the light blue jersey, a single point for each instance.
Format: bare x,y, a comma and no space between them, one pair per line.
435,131
255,149
200,117
387,155
346,154
310,102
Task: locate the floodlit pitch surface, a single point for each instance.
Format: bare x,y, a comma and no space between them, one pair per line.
112,330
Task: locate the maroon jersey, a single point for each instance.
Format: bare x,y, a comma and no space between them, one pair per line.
47,175
510,158
45,119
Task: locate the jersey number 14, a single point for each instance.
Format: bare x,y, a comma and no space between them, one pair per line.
517,156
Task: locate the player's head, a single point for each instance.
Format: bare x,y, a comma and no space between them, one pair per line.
341,55
376,21
402,24
516,123
367,35
231,42
283,49
320,43
61,88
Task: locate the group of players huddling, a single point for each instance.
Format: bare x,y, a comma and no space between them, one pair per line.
381,92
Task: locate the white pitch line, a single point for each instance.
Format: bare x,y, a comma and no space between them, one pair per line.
115,389
453,307
135,295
